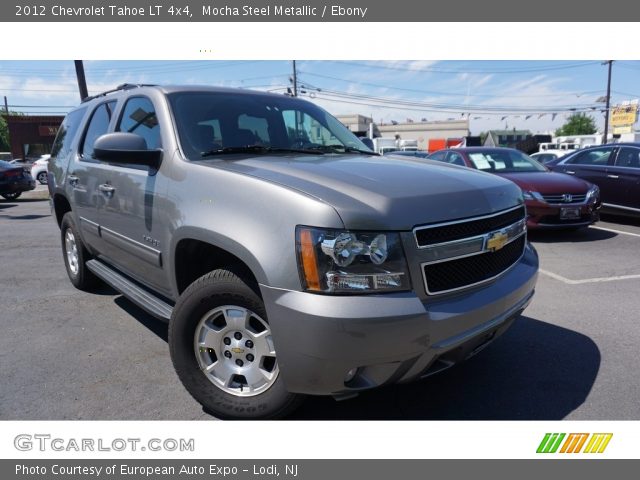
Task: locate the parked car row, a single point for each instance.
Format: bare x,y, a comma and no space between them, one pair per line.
561,191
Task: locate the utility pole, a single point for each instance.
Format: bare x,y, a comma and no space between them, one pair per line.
82,81
295,80
606,113
6,105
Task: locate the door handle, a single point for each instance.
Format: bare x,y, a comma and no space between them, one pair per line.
73,180
612,176
570,172
106,189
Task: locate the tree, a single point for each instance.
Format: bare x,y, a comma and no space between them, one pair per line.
577,124
5,145
4,135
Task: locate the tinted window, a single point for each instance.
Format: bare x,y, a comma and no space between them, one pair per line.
99,125
628,157
66,133
598,156
6,165
139,117
439,156
209,121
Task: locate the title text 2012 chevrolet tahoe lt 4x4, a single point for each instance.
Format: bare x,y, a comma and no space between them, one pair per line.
287,257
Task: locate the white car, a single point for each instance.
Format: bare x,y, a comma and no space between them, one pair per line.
39,169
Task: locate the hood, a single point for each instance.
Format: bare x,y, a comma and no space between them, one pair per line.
371,192
548,182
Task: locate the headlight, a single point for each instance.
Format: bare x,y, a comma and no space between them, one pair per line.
593,194
532,196
339,261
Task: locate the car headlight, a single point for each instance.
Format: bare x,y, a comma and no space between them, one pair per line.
340,261
593,194
532,196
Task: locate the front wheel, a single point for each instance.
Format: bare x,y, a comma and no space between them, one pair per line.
42,178
223,350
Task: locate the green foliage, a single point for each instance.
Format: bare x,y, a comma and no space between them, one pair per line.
4,135
577,124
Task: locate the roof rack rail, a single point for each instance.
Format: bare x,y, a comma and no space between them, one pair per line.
123,86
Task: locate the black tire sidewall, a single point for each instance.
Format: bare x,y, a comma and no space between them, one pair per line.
215,289
44,175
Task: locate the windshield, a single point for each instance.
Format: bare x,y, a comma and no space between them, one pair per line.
219,122
505,161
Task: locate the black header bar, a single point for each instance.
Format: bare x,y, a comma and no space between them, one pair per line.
319,11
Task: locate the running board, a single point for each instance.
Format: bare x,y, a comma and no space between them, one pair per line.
138,295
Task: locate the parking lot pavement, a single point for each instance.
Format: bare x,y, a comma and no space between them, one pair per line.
66,354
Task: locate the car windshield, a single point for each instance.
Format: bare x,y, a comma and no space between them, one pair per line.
504,161
6,165
213,123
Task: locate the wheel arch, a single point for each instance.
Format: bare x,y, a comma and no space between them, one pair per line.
196,252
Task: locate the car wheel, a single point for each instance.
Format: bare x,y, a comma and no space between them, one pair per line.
75,255
223,351
11,196
42,178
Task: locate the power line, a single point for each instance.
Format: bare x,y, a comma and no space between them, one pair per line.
434,69
433,92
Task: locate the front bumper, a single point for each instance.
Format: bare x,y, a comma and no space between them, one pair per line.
547,216
389,338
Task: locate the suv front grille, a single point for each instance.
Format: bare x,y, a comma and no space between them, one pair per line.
462,229
468,271
565,198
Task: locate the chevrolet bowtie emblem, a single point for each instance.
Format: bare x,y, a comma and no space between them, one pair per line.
496,241
237,350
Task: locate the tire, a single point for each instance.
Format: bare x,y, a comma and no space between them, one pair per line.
75,255
11,196
221,320
42,178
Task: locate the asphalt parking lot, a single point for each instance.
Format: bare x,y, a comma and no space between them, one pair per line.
67,354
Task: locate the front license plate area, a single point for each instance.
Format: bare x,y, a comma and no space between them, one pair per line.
569,213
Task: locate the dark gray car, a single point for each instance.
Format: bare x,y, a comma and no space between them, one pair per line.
287,257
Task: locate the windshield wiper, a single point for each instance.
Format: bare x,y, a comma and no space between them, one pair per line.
340,149
256,149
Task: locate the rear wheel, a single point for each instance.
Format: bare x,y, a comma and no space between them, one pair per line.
11,196
42,178
75,255
223,350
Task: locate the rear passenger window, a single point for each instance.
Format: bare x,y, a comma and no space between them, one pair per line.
66,132
139,117
628,157
599,156
98,125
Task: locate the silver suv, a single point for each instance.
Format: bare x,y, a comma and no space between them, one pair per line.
287,257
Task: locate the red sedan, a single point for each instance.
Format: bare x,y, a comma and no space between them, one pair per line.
553,200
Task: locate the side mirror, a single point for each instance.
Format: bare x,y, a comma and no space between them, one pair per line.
122,147
368,142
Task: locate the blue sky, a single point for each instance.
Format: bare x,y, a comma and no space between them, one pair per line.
493,94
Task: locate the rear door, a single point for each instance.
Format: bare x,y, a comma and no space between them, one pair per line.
624,176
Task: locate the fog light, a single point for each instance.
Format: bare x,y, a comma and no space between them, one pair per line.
350,375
